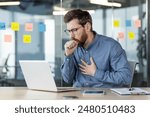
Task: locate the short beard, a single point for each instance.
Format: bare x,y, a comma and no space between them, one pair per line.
84,38
82,42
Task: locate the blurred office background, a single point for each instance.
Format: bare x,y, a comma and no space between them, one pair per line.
34,30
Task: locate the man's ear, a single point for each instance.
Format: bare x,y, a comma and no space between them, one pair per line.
88,26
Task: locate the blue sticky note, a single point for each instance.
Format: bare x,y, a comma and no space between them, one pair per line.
42,27
2,26
128,23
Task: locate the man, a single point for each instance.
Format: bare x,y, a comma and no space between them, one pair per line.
92,60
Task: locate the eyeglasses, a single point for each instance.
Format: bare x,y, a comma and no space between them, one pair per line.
74,30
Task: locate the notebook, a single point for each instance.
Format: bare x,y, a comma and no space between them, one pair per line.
38,76
127,91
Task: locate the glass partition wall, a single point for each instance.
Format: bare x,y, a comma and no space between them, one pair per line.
34,30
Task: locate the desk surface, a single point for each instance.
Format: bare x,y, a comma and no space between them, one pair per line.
22,93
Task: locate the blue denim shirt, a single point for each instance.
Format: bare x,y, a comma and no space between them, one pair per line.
113,69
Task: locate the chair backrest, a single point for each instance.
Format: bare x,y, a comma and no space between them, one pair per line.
133,66
2,63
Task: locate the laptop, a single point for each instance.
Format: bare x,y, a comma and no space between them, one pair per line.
38,76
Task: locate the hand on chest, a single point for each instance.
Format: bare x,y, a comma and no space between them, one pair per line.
100,59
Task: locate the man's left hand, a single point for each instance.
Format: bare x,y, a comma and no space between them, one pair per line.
88,69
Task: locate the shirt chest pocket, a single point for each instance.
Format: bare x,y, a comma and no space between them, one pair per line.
86,58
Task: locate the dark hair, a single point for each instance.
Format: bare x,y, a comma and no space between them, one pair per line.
82,16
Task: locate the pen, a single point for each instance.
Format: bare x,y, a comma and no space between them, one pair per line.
131,89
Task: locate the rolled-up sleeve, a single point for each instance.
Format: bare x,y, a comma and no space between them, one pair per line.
68,69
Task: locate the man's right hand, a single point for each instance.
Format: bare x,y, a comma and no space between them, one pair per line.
70,46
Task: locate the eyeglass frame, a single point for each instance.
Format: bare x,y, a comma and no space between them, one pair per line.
73,30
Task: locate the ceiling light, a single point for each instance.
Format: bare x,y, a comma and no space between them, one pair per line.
9,3
105,3
56,8
64,12
59,12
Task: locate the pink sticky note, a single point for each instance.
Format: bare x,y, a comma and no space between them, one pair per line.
137,23
8,38
121,35
28,27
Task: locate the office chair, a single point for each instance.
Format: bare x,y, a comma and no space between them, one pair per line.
133,66
3,72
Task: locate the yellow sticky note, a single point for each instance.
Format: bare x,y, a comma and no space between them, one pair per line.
131,35
15,26
116,23
8,38
28,27
26,38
